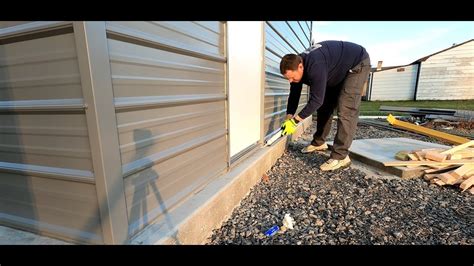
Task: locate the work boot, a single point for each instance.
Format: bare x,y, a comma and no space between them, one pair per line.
333,164
311,148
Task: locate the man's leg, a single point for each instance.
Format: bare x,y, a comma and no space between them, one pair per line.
348,109
325,114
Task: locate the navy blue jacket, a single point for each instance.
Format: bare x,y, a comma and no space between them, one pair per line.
324,67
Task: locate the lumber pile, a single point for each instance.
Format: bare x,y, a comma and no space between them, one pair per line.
454,166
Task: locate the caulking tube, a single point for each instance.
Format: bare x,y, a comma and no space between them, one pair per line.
273,138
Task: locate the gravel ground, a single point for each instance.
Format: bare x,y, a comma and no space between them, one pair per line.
347,206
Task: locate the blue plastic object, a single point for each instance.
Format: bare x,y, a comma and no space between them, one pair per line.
272,231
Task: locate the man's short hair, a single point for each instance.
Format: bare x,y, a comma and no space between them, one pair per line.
290,62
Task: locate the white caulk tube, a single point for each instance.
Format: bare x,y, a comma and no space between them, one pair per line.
273,138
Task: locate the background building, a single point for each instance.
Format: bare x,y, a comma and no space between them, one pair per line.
445,75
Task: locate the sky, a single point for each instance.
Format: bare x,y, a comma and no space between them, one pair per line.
396,42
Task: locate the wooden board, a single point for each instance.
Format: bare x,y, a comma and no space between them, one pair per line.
375,152
450,162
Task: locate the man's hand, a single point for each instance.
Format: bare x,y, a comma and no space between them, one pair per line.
289,126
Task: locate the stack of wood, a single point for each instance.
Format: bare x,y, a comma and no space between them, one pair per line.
454,166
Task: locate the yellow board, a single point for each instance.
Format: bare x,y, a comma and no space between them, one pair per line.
426,131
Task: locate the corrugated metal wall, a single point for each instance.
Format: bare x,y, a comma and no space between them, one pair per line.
170,98
9,24
281,37
396,84
46,174
448,75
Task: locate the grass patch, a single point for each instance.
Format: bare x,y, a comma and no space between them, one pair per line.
372,108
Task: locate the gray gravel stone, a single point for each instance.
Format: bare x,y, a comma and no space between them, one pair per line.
346,206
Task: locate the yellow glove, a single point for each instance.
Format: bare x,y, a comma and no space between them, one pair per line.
289,126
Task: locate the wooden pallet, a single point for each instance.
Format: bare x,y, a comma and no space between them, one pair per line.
454,166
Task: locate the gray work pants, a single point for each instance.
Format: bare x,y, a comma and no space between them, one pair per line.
347,98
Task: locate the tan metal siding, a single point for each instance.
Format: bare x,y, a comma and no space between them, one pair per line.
169,92
196,37
46,173
308,29
53,140
302,35
448,75
52,207
288,34
36,78
8,24
306,26
281,38
43,68
394,85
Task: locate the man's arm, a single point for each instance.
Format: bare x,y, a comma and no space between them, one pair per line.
293,99
316,94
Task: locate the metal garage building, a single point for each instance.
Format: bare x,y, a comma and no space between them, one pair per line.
395,83
444,75
448,74
106,127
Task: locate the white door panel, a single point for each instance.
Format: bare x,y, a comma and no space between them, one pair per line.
245,55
